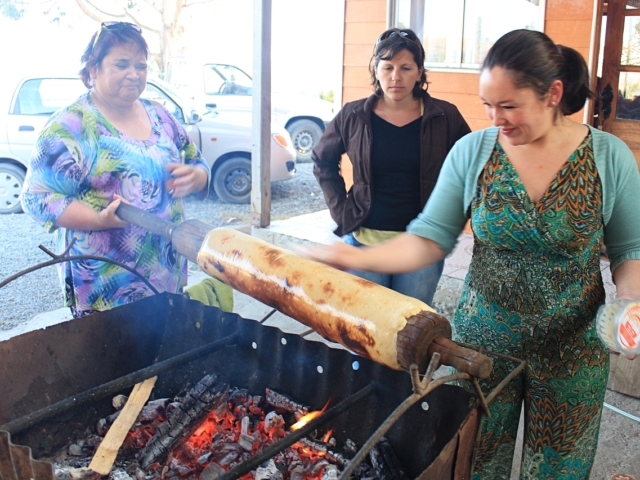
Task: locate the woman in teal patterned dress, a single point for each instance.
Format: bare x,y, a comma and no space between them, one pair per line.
542,192
111,146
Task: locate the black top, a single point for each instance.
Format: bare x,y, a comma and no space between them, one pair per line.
395,167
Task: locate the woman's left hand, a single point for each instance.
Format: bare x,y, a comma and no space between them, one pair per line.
185,179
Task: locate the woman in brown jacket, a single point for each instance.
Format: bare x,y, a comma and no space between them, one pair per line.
397,140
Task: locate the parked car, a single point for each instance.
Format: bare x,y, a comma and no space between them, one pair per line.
228,88
225,139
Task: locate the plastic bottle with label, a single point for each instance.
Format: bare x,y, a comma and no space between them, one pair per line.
618,326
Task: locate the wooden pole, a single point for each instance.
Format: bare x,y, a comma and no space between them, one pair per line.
261,153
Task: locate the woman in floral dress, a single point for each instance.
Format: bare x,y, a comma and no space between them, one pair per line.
111,146
542,192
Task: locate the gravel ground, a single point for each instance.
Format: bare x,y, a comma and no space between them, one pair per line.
40,291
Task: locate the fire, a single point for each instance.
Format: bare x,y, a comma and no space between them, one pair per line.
305,419
308,417
327,436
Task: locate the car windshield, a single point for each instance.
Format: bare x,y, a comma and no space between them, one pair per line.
187,105
226,80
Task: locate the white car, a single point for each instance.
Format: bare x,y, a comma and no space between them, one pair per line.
228,88
225,139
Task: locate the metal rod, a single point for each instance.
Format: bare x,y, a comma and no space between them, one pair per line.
273,310
60,259
507,379
424,388
481,399
114,386
293,437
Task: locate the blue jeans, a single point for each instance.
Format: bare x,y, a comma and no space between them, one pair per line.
420,284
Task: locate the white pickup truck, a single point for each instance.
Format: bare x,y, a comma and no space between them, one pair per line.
228,88
225,139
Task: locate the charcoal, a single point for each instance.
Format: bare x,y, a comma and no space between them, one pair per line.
149,413
318,467
238,395
385,462
297,473
246,441
205,458
269,472
75,450
211,472
228,458
83,474
273,422
330,472
283,402
119,401
350,446
204,397
94,440
118,474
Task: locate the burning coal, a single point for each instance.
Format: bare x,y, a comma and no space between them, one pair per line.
211,428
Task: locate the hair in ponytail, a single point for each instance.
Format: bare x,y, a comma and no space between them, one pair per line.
534,61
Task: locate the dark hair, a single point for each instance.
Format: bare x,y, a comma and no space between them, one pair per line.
389,44
108,38
534,61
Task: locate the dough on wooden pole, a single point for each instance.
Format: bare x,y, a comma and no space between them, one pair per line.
369,319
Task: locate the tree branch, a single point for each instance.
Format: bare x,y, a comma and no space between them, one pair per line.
195,2
83,6
151,5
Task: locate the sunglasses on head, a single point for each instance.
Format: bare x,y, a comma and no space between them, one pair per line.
391,33
114,27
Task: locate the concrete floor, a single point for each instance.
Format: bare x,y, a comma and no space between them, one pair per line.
619,443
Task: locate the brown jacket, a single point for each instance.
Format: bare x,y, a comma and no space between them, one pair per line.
350,133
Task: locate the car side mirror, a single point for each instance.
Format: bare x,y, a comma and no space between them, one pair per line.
194,118
211,106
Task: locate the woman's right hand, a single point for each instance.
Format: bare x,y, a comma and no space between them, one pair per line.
78,216
107,217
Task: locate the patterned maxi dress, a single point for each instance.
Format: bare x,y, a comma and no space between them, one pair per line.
532,291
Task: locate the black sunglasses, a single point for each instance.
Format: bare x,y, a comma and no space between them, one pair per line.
391,33
114,27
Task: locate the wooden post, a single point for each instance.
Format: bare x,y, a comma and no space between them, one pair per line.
261,153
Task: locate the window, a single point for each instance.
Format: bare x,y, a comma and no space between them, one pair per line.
43,96
458,33
154,93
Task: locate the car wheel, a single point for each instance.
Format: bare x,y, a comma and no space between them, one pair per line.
305,135
232,180
11,181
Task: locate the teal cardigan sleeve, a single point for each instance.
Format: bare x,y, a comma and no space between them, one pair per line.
447,211
620,179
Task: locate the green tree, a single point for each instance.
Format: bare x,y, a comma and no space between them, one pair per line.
328,95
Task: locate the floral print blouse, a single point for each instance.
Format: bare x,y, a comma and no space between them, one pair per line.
81,156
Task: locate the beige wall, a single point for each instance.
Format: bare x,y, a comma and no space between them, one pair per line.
567,22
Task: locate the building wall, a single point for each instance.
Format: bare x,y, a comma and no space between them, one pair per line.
567,22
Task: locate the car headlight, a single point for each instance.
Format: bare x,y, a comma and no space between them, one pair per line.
281,140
